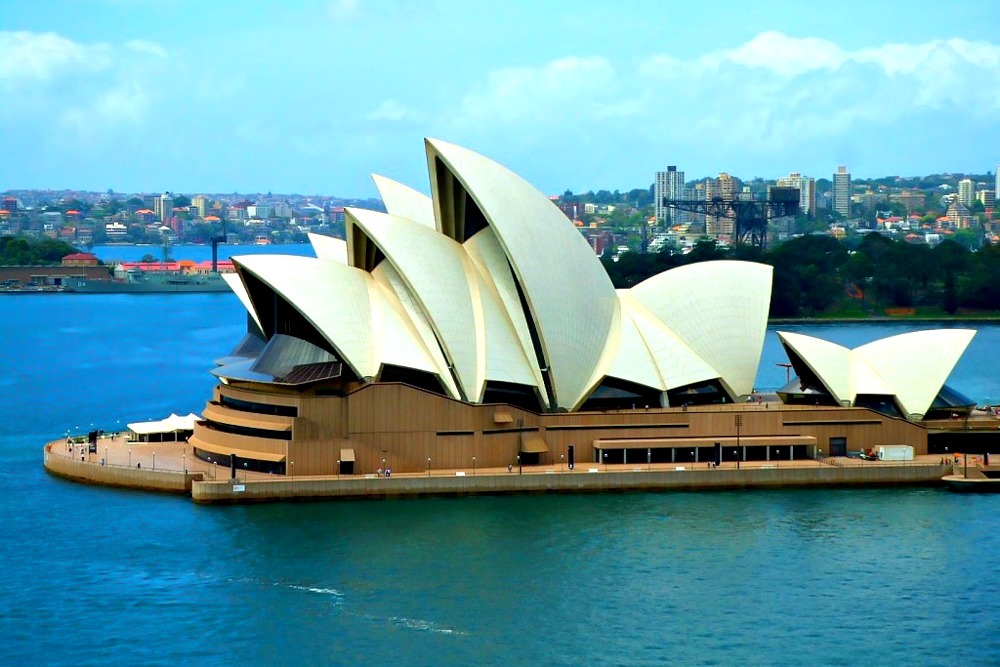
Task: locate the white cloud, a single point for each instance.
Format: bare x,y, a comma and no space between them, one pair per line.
777,91
343,9
39,57
83,94
151,48
390,110
541,95
773,98
781,54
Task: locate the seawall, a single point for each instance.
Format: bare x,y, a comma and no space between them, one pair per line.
582,480
166,481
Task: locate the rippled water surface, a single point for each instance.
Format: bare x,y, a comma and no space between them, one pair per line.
101,576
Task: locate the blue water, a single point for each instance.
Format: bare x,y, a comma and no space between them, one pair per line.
95,576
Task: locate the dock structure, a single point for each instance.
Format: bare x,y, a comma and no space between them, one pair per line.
169,467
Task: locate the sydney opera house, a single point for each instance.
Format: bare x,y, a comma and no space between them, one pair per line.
476,327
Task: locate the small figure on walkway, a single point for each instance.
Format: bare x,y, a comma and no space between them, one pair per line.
379,471
510,467
388,472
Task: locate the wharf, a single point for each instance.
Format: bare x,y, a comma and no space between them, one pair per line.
169,467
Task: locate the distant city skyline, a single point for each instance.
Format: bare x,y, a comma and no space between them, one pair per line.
224,97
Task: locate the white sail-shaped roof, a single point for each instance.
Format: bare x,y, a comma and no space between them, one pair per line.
568,293
405,202
489,282
440,278
487,254
358,319
917,364
828,361
912,367
677,364
239,289
388,279
719,309
329,248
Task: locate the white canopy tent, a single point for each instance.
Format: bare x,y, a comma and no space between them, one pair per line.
172,429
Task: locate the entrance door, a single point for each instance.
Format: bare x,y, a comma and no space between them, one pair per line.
838,446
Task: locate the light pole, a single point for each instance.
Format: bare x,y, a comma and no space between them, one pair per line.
562,462
154,460
338,468
473,466
130,457
428,466
519,464
739,424
605,461
184,460
246,471
292,470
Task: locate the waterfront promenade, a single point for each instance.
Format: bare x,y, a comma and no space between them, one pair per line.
171,467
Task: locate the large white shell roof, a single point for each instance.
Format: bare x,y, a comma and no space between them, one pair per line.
487,281
912,366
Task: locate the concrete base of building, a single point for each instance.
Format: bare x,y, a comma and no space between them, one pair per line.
165,481
581,480
210,487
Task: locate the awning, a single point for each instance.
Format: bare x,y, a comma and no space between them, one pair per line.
247,419
347,455
171,424
707,441
533,444
225,450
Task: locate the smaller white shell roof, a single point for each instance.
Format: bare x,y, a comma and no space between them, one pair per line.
329,248
677,364
342,315
917,364
719,309
405,202
912,366
829,361
239,289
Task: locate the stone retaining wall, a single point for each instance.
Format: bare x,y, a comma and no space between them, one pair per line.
134,478
578,481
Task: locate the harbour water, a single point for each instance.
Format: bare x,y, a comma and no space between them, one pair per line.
103,576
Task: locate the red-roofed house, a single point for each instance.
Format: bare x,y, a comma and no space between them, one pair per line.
80,259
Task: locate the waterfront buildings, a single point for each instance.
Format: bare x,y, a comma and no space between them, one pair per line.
476,325
842,192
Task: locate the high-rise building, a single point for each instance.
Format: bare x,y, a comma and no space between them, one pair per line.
987,198
807,191
966,192
201,204
842,192
669,184
996,179
724,188
164,206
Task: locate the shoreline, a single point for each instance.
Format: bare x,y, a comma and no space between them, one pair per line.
207,484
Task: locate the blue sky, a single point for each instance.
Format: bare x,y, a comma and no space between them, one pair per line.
311,97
